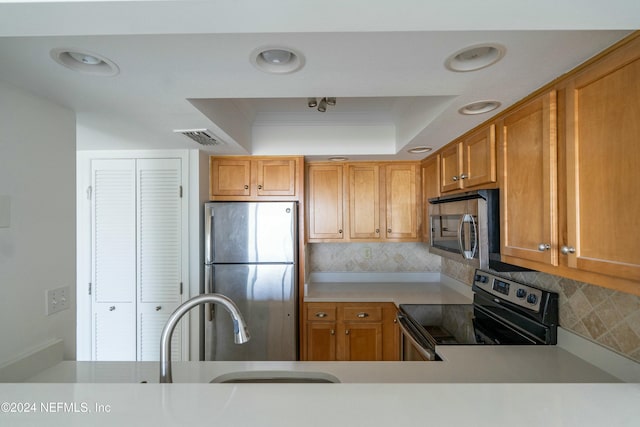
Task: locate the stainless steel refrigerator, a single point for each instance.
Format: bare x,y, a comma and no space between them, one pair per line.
251,257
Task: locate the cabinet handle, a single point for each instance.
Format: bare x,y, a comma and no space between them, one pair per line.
347,332
566,250
340,231
259,187
388,230
362,315
246,187
321,314
158,308
544,247
113,307
395,320
333,332
454,178
464,176
377,231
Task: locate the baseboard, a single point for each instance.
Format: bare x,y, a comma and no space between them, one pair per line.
32,361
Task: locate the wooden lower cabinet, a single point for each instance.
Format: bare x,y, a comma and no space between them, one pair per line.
351,331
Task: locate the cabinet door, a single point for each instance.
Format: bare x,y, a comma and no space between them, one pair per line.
450,168
363,341
364,201
480,158
430,189
603,173
321,341
276,177
529,188
230,177
325,208
401,184
113,336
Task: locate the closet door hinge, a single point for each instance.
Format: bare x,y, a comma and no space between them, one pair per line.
181,191
180,288
89,190
89,288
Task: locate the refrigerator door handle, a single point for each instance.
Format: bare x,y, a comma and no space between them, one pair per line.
208,280
208,226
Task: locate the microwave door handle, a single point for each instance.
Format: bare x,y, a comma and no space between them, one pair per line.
476,237
467,219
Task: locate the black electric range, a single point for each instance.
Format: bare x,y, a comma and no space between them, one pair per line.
503,312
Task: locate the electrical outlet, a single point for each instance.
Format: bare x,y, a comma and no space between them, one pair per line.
366,252
57,300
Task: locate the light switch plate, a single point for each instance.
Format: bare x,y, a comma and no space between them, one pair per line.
5,211
57,300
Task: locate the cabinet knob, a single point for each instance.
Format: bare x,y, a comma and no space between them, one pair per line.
544,247
464,176
347,332
395,320
566,250
158,307
340,231
113,307
454,178
388,230
259,187
246,187
362,315
332,332
377,231
321,314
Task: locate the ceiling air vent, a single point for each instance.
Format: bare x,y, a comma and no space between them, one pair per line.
201,136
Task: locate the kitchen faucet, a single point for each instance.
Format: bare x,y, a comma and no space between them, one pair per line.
240,331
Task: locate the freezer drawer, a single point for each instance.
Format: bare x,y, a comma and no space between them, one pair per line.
250,232
266,297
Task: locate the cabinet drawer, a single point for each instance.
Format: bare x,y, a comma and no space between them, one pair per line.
362,314
321,312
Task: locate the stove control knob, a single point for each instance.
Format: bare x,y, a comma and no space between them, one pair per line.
521,293
532,299
480,278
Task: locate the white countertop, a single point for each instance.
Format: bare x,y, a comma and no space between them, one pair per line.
399,288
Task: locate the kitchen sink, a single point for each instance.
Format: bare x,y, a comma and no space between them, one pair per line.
276,377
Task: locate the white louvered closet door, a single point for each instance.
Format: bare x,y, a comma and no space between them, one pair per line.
113,247
159,225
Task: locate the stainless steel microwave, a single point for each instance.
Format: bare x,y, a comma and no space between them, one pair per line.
466,227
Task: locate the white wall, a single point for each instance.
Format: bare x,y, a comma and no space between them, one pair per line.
37,250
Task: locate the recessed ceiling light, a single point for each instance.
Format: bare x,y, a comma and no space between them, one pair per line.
277,60
419,149
475,57
338,159
84,61
479,107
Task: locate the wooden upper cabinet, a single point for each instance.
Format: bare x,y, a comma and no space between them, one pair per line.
603,166
402,200
255,178
230,177
381,202
431,177
469,163
528,161
276,177
364,201
325,202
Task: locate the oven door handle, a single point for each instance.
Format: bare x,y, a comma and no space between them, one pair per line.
427,353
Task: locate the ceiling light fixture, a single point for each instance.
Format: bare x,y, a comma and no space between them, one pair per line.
277,59
419,149
338,159
479,107
84,61
475,57
321,103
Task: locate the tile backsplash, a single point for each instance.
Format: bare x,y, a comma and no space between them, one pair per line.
608,317
368,257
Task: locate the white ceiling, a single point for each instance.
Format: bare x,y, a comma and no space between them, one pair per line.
186,64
